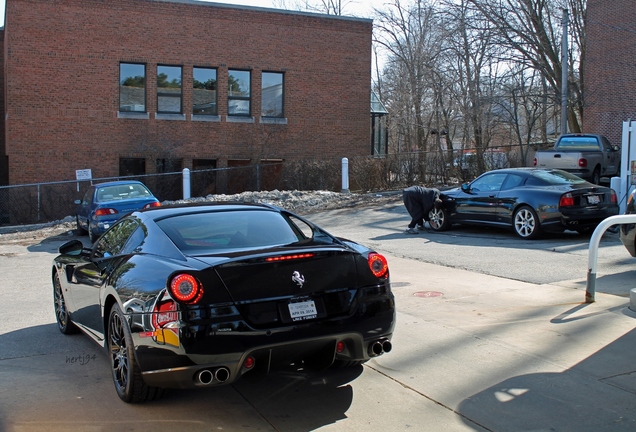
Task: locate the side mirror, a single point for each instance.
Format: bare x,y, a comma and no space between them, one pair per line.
71,247
465,188
78,202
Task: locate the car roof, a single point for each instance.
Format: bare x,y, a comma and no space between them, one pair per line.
158,213
524,170
117,183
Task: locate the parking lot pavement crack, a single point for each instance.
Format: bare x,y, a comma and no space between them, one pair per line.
441,404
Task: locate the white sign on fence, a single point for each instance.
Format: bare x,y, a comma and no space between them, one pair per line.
83,174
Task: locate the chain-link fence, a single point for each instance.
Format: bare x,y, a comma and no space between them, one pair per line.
46,202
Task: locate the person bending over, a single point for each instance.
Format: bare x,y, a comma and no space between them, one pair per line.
419,201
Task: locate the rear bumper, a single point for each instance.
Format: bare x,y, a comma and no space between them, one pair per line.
179,357
317,353
577,220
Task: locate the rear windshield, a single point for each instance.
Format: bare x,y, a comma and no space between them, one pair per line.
555,177
211,232
122,192
579,142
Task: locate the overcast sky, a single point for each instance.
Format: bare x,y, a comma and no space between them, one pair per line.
359,8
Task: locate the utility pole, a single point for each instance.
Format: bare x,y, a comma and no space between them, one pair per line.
564,74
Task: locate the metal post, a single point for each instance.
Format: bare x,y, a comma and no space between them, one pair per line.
590,289
186,183
564,74
345,175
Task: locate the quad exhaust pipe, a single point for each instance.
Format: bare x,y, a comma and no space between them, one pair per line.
380,347
208,376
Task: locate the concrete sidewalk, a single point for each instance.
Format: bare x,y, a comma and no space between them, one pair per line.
507,355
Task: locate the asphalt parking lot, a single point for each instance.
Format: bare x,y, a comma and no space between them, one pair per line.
472,352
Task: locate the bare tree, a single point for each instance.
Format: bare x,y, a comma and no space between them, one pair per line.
531,28
329,7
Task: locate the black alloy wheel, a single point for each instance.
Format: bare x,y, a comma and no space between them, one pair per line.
129,384
64,323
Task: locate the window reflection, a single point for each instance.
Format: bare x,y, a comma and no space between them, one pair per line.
272,98
132,87
169,89
204,91
239,93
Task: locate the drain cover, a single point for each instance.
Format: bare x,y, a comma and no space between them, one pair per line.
428,294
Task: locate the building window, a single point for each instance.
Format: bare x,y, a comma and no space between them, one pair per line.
132,87
272,98
132,166
238,99
169,89
204,91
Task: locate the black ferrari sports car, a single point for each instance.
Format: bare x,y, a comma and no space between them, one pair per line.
528,200
199,295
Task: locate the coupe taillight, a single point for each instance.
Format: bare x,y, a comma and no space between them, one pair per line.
378,265
289,257
567,200
105,212
186,288
152,204
535,161
582,162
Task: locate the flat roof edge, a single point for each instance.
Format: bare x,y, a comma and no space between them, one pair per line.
264,9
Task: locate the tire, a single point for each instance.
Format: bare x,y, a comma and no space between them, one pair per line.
596,176
62,317
129,384
80,230
438,219
526,223
91,236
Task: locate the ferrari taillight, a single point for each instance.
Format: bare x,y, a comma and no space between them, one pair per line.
105,212
289,257
152,204
186,288
378,265
567,200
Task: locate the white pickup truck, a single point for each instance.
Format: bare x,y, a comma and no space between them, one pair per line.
588,156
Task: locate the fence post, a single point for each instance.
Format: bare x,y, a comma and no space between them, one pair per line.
186,183
345,175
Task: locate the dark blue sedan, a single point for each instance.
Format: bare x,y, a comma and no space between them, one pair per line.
105,203
528,200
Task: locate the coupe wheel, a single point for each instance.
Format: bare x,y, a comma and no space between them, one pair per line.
129,384
438,219
526,223
64,323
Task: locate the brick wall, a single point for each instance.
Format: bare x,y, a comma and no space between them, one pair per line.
610,67
62,83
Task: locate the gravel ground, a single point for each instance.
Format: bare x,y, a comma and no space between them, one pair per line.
301,202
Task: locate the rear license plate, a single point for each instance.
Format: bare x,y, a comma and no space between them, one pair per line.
593,199
301,311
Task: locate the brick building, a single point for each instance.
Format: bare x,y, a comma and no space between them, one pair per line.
610,72
126,87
